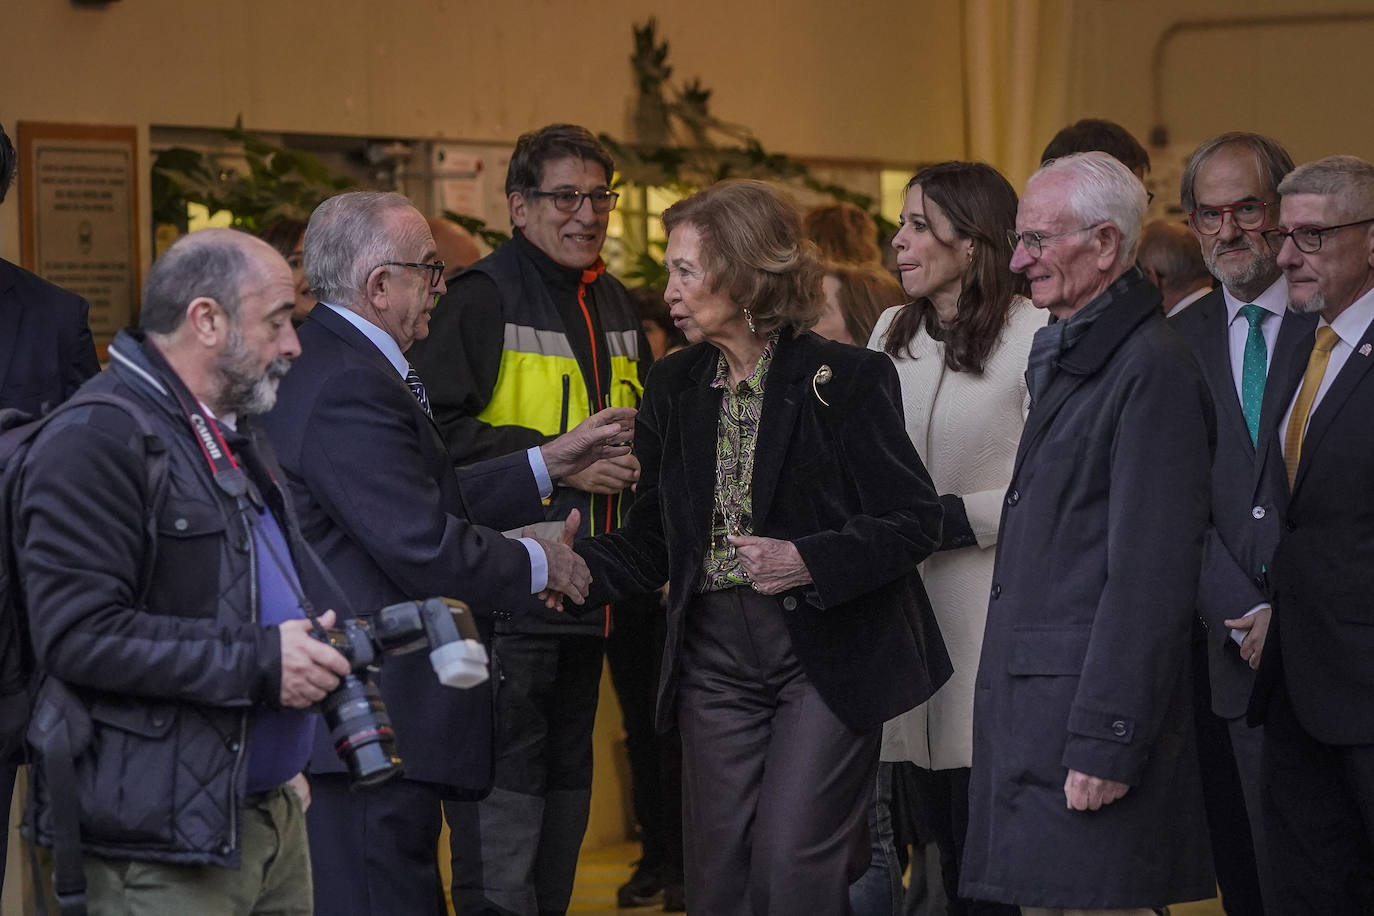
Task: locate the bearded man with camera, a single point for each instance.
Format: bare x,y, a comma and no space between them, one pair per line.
155,550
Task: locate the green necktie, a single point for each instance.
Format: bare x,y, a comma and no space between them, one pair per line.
1253,370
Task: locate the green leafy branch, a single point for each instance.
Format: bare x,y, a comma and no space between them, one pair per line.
279,183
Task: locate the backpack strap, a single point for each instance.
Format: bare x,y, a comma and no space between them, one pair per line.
60,726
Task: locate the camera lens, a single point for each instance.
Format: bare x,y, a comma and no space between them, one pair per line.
361,731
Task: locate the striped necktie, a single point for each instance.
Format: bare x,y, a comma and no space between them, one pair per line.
1253,369
1302,407
417,388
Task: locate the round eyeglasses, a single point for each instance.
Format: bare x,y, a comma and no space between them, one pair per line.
1307,239
569,200
1034,242
1247,214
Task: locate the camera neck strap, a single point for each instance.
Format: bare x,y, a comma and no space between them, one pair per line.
231,478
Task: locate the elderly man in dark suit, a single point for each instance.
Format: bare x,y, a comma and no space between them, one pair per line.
1084,793
1315,686
46,352
378,497
1238,332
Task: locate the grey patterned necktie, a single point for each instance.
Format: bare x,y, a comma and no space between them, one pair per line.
417,388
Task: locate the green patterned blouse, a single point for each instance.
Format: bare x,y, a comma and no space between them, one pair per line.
740,410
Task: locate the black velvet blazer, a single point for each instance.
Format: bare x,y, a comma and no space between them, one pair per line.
840,480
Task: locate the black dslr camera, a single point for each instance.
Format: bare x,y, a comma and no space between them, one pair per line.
358,722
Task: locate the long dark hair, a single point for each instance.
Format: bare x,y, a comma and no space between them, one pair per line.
980,205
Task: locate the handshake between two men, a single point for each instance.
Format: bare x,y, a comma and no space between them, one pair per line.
598,447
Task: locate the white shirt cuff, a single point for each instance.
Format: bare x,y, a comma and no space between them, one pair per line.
539,565
1239,635
541,477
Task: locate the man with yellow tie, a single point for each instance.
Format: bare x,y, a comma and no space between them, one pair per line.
1316,682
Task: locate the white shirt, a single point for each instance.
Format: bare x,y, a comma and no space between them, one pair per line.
1273,300
1349,326
539,563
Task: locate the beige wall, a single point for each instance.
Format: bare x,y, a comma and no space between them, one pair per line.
867,79
1305,82
483,71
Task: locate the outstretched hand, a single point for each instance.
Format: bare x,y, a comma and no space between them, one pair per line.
607,476
553,594
605,434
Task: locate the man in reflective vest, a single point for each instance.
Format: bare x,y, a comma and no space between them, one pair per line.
526,343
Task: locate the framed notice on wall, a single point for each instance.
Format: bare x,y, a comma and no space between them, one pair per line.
78,193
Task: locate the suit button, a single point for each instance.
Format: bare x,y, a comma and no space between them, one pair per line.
1291,525
1119,728
233,746
996,591
1257,512
181,524
225,848
1013,497
789,603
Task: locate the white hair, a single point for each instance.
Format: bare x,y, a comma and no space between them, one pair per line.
1347,179
1102,190
346,238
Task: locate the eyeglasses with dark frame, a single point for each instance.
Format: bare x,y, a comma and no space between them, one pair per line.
1035,241
435,268
569,200
1307,239
1246,214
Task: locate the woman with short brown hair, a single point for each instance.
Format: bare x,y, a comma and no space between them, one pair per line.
783,502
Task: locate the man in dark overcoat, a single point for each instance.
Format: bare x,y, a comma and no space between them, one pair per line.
1085,792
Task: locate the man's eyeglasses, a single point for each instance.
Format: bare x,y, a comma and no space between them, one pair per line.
1035,241
569,200
1307,239
1248,214
435,268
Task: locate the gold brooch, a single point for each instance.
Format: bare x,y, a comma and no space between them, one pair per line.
822,377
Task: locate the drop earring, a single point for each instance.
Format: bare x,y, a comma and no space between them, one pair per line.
749,320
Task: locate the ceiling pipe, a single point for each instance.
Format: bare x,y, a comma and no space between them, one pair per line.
1159,134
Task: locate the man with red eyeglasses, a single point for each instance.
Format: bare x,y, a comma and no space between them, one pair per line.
1241,332
1314,687
528,342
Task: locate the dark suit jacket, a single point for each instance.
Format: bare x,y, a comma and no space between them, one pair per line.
378,498
842,482
46,350
1248,496
1323,568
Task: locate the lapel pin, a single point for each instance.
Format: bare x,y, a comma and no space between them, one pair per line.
1364,350
822,377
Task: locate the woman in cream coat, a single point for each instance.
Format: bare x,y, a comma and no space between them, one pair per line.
960,348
